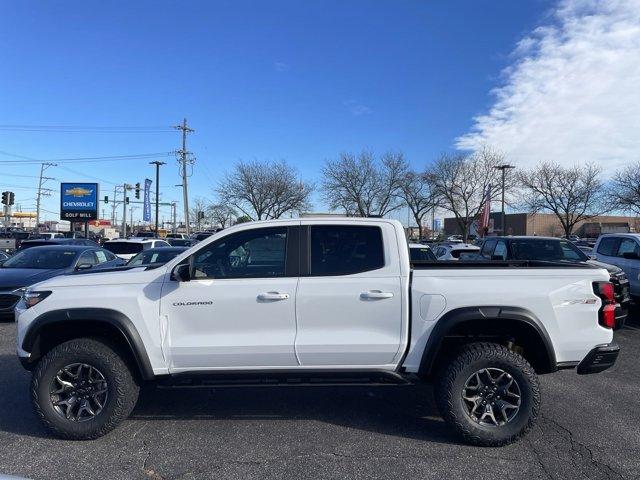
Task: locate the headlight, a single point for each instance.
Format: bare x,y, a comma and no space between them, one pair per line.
32,297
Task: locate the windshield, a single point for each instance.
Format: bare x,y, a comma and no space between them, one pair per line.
42,258
546,249
123,248
152,256
421,254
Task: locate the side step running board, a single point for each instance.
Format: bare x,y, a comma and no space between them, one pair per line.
274,378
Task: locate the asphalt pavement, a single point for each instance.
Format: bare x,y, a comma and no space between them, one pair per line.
589,428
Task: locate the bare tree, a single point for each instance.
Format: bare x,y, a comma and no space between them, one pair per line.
418,190
198,211
221,214
263,190
573,194
462,182
625,189
362,185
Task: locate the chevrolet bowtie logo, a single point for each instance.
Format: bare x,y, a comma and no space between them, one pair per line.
77,192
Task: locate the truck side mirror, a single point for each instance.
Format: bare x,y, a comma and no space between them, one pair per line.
181,273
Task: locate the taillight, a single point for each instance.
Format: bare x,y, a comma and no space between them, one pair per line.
607,313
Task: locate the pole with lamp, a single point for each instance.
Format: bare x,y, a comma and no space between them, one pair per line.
504,167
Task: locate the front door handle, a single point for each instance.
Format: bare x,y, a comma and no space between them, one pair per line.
269,296
375,295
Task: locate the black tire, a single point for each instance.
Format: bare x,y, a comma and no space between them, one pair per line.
451,382
121,387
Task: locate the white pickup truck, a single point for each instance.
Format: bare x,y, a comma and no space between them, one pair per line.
311,301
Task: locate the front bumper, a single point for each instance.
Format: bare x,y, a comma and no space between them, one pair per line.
599,359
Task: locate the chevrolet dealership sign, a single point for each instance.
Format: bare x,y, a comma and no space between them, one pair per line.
78,201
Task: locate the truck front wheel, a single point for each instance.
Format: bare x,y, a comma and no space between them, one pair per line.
82,389
489,394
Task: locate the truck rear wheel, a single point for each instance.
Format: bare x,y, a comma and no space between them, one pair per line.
82,389
489,394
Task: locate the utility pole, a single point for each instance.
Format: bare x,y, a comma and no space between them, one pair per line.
113,206
124,209
183,162
173,217
42,179
504,167
157,164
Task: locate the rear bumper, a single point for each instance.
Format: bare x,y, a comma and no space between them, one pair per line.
599,359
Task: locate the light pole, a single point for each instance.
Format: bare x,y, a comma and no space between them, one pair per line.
504,167
157,163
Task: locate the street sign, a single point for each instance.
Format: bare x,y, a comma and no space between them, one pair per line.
78,201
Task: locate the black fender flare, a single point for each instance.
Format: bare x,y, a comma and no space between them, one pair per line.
458,316
113,318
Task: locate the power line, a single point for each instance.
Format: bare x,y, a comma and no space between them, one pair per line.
85,175
110,158
84,129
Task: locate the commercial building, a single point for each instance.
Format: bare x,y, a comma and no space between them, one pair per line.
547,224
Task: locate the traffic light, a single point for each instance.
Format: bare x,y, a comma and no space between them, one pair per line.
200,215
138,190
8,198
106,199
127,200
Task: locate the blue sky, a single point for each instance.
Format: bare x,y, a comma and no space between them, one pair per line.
301,81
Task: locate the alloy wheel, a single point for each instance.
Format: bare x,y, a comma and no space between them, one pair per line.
491,397
79,392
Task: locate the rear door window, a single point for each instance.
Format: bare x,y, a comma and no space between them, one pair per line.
345,249
627,245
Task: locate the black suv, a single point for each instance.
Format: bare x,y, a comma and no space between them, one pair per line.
552,250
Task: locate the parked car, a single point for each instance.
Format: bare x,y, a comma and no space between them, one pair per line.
182,236
40,263
45,235
452,251
314,301
10,239
198,237
144,235
155,256
130,247
554,250
181,242
421,253
57,241
622,250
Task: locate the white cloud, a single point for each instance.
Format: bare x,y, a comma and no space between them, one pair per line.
572,94
356,108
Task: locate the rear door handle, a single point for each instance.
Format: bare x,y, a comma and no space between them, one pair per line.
375,295
267,296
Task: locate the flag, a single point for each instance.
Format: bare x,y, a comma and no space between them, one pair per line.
486,211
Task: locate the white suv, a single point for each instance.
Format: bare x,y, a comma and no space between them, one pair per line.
454,250
130,247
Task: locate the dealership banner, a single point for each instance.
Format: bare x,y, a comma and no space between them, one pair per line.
146,211
79,201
